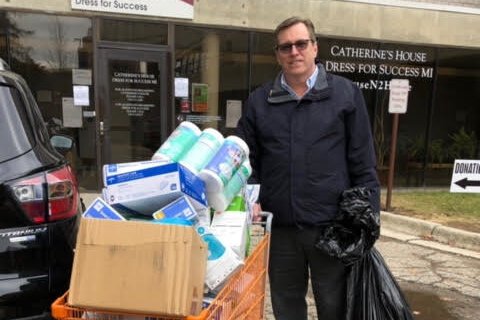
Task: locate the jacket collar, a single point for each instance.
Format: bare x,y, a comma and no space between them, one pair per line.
319,91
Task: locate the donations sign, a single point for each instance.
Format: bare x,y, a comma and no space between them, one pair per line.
159,8
466,176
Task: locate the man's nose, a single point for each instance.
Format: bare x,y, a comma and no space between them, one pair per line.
294,49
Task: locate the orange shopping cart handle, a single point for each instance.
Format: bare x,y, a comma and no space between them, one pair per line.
202,316
58,307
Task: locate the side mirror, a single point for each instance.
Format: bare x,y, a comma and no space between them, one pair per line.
62,143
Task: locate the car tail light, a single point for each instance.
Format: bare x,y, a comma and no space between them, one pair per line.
48,196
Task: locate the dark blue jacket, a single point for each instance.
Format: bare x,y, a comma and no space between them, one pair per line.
304,153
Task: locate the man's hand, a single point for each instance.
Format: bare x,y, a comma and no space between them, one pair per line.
257,209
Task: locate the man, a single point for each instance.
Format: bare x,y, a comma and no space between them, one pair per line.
310,139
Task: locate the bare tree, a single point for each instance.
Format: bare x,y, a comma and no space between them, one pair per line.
58,56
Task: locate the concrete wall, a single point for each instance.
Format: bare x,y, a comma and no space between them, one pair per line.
460,3
331,18
438,3
464,3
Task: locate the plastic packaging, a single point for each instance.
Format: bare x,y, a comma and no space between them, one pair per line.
237,204
217,201
224,164
221,200
203,150
221,261
178,143
238,181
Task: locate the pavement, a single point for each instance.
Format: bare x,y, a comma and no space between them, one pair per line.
415,231
430,234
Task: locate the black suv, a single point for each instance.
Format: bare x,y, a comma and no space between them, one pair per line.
39,207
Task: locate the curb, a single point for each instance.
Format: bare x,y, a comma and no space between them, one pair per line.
431,231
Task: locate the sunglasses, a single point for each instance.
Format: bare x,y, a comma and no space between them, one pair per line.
286,48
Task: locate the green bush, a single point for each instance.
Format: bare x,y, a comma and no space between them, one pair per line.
463,146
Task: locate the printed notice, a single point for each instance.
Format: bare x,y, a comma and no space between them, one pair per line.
398,99
181,87
234,111
134,93
82,76
72,116
81,96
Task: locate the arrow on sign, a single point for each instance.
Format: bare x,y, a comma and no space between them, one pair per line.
464,183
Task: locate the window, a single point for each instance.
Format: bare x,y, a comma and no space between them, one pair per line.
133,31
44,49
215,62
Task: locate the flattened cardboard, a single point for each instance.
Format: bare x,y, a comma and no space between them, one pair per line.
138,267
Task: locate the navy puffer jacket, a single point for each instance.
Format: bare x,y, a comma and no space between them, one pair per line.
306,152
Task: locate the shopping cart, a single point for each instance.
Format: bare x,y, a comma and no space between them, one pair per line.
242,297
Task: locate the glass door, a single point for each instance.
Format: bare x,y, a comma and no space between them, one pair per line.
134,103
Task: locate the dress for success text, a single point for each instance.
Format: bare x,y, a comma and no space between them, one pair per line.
393,63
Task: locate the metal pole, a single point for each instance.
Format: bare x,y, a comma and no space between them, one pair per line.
391,165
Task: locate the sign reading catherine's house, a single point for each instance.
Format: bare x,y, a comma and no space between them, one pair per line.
160,8
372,68
466,176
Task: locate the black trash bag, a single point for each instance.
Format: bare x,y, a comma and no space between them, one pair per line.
356,229
373,293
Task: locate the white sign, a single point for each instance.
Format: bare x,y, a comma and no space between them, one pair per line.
234,112
81,96
466,176
397,103
160,8
181,87
72,116
89,114
82,76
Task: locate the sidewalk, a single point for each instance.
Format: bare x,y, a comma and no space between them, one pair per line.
415,231
430,234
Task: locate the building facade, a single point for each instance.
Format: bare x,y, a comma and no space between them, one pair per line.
119,75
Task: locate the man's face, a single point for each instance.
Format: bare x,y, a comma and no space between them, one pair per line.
298,60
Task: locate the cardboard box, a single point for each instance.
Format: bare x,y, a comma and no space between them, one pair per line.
222,262
113,170
180,208
146,190
99,209
231,228
130,266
